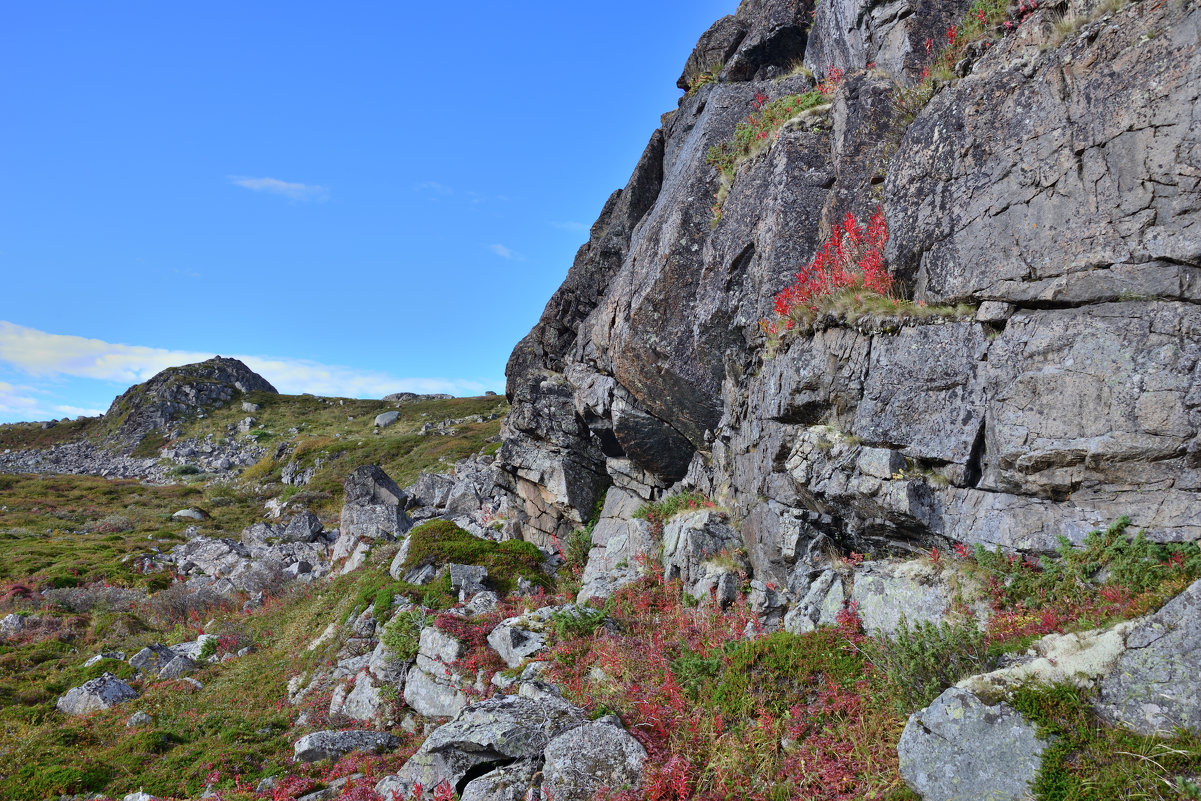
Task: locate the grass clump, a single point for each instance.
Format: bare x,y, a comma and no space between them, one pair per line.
442,542
659,513
402,633
926,658
758,130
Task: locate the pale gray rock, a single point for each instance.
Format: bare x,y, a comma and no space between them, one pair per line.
617,542
916,590
961,749
690,541
102,692
1156,686
176,668
138,719
499,729
385,419
11,624
336,744
508,783
583,760
190,513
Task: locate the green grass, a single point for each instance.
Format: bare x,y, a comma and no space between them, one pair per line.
1088,760
442,542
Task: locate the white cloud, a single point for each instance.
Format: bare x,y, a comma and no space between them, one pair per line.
433,187
14,400
277,187
505,253
42,354
76,411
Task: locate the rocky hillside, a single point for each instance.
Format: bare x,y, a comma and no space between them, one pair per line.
856,457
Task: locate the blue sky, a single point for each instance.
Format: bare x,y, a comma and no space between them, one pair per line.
359,198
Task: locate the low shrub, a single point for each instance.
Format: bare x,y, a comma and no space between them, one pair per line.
401,635
926,658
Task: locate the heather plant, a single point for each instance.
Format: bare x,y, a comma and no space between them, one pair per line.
724,716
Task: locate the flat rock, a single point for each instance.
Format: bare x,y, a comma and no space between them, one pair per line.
960,749
102,692
335,744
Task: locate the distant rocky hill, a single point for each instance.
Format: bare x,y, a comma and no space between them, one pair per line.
176,394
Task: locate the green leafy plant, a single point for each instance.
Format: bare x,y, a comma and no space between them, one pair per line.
402,633
923,659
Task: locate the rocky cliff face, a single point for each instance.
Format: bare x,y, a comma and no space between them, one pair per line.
1052,186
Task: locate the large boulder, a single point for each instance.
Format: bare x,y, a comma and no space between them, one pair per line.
583,760
1155,687
102,692
498,730
373,509
961,749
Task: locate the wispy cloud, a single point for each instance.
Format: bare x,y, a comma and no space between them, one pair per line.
17,400
76,411
292,191
569,226
433,188
42,354
505,253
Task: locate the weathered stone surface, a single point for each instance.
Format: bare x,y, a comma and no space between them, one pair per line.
305,527
373,508
848,34
336,744
516,639
102,692
11,624
617,543
583,760
508,783
823,600
960,749
433,687
691,542
499,729
1156,685
916,590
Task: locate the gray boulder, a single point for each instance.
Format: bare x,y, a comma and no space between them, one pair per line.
499,729
336,744
102,692
177,667
1156,686
305,527
433,686
583,760
11,624
961,749
385,419
373,509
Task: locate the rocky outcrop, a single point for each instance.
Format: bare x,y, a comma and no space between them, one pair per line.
178,393
102,692
1060,395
